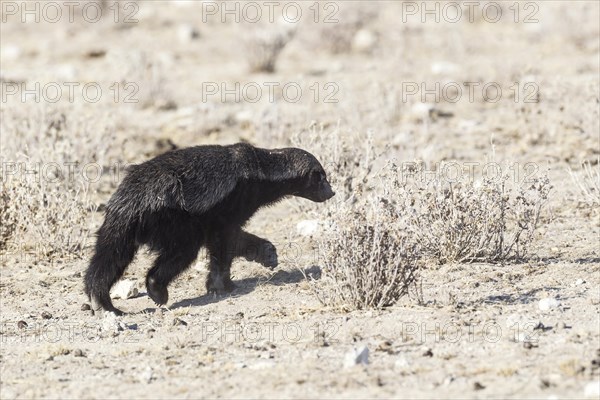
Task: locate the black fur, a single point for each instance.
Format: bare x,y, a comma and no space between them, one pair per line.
188,198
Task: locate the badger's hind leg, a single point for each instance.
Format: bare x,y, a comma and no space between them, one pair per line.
177,242
167,267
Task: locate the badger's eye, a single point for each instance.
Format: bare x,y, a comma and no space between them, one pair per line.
316,176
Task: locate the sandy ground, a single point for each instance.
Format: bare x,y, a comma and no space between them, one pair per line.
479,331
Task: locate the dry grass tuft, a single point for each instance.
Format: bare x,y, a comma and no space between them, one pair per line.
485,220
588,182
367,260
263,47
53,220
338,30
45,202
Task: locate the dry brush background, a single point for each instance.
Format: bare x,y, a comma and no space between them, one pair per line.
461,249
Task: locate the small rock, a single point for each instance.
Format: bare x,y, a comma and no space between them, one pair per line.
421,110
539,326
592,390
179,322
357,356
186,33
548,303
561,325
78,353
364,41
22,324
165,105
449,379
132,327
267,355
46,315
146,376
97,53
529,345
579,282
402,363
124,289
308,227
554,249
544,383
86,307
110,322
478,386
428,352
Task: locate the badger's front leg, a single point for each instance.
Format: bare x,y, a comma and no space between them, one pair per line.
256,249
221,251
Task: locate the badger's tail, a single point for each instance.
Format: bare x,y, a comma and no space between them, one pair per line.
115,248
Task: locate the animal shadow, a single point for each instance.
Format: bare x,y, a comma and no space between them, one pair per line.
247,285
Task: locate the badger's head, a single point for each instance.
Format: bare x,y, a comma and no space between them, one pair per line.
311,182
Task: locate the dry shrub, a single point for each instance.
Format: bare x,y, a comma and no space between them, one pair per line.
588,182
382,227
46,218
487,220
367,260
263,47
147,80
45,201
338,29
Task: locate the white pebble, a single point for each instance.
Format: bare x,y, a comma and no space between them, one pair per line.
364,40
146,375
307,227
421,110
124,289
110,323
187,33
548,304
357,356
579,282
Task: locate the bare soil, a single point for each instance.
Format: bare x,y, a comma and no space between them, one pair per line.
477,332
